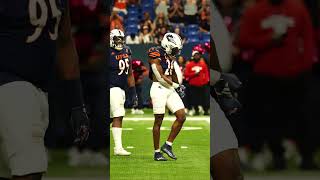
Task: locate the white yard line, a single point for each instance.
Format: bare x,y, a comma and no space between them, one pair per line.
202,118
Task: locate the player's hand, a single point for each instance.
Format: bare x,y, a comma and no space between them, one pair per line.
80,124
133,97
226,98
135,101
233,81
181,91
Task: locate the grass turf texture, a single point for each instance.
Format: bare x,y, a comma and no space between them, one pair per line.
58,167
192,163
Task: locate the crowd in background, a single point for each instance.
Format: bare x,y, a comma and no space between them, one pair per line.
146,21
275,56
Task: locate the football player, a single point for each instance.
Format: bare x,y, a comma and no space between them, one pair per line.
225,162
121,79
35,36
166,91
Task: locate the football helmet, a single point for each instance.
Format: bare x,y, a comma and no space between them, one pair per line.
172,44
117,39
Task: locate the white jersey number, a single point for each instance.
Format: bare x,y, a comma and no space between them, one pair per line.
168,71
39,19
124,66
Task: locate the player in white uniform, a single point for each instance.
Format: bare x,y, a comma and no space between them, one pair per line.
225,163
166,91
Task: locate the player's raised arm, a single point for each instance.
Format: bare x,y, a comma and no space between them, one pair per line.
68,67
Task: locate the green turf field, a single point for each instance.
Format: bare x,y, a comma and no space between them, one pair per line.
192,147
58,167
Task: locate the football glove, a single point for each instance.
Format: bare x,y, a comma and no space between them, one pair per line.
232,80
181,91
225,89
80,124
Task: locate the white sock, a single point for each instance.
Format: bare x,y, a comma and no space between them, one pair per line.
157,150
117,137
169,143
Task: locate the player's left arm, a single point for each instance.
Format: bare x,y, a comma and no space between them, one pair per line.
68,68
132,88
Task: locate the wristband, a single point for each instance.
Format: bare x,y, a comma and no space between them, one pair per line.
73,93
175,85
132,91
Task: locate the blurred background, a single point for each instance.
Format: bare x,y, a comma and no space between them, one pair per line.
278,125
89,29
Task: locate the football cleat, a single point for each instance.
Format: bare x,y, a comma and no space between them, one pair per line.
121,152
168,150
159,157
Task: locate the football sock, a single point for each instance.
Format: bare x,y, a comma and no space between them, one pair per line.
158,150
117,133
169,143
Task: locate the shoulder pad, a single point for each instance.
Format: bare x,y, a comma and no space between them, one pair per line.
154,53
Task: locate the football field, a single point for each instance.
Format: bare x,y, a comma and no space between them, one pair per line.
192,147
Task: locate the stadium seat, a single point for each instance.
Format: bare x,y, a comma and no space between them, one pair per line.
193,39
193,27
193,33
205,37
120,13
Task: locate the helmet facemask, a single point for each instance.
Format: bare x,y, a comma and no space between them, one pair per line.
118,42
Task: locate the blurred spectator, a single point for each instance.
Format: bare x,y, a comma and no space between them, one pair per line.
280,34
197,75
160,21
176,12
190,12
132,39
139,71
162,7
146,36
160,35
177,30
204,19
120,6
147,21
116,21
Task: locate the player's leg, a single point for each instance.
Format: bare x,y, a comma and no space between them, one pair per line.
158,118
24,120
176,106
117,111
158,94
225,165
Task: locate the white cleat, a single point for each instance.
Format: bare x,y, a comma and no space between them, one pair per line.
121,152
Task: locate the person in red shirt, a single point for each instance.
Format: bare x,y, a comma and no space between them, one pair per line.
197,74
280,34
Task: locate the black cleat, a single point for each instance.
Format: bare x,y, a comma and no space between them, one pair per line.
168,150
159,157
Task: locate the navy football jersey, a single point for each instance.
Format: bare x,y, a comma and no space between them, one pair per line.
28,33
166,64
119,65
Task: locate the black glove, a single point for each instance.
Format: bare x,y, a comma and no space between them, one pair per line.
225,94
181,91
80,124
133,98
233,81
